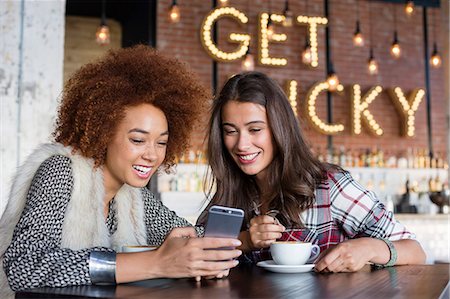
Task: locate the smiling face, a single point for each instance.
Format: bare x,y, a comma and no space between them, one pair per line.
137,149
248,137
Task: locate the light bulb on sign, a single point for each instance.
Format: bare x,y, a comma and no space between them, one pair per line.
223,2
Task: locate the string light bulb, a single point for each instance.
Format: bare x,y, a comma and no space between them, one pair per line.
102,35
409,7
288,15
435,59
395,47
248,64
372,64
174,12
358,39
332,79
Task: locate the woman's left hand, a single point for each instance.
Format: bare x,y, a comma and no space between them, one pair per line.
348,256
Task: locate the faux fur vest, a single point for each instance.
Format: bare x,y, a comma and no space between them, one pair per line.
84,222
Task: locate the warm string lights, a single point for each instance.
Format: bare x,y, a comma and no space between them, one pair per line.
313,118
312,23
207,40
292,94
360,110
407,108
264,57
102,36
174,12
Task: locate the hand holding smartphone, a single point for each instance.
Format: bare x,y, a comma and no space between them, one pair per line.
224,222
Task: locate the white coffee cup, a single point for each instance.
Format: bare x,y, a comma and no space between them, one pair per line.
294,253
137,248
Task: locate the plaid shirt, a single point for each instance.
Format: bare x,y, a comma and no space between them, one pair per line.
342,210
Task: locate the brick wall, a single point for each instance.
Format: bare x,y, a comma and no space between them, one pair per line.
182,40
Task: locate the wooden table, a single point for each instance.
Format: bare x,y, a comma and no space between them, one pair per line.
427,281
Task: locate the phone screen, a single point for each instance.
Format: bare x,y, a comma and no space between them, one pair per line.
224,222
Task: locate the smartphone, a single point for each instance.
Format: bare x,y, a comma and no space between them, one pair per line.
224,222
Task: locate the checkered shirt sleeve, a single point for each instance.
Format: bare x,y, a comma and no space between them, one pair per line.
359,213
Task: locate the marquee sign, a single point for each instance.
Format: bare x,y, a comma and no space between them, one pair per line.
361,116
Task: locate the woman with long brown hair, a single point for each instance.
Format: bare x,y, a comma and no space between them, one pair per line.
260,162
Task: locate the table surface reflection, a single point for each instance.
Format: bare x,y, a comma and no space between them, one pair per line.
424,281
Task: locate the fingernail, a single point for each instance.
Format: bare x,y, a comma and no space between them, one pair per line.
237,243
236,262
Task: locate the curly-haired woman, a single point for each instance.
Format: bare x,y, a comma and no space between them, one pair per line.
261,163
74,203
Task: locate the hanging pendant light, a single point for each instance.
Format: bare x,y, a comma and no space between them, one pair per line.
270,28
102,36
435,59
396,51
174,12
307,53
332,79
372,64
288,15
409,7
223,2
248,64
358,39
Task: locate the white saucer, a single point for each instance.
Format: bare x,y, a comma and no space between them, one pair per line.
271,266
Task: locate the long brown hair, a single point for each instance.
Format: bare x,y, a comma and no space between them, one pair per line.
294,172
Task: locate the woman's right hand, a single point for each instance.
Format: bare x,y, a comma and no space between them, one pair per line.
183,254
263,231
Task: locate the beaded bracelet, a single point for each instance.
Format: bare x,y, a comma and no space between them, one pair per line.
393,255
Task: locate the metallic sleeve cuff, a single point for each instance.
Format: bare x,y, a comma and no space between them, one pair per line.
102,267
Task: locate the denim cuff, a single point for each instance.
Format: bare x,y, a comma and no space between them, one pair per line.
102,267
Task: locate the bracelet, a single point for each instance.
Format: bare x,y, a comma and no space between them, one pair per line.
102,267
393,255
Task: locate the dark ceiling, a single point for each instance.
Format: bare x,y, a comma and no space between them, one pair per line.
137,17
